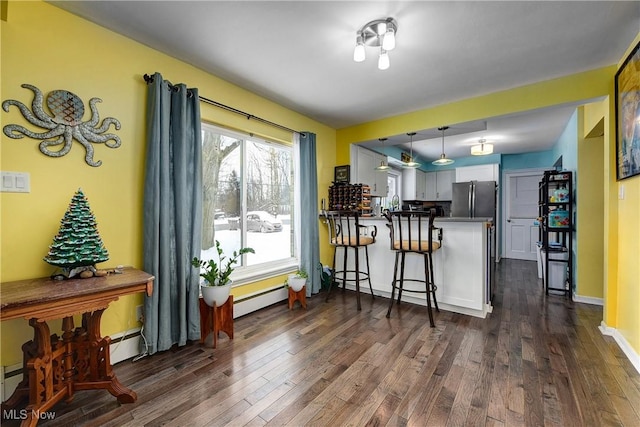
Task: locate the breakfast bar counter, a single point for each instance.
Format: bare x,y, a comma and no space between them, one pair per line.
462,266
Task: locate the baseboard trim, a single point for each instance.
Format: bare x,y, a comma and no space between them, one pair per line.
624,345
588,300
124,345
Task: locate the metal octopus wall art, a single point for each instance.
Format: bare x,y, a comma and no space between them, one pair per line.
65,125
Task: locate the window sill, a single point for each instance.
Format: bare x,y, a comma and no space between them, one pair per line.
260,272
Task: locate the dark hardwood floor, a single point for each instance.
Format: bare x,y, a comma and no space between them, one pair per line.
536,360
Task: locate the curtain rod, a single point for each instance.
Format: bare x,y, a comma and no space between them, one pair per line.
149,79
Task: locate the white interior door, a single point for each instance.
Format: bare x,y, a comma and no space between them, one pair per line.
521,206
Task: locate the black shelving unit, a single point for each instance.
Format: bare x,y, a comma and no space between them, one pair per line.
556,228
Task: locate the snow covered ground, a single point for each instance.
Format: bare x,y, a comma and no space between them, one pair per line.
268,246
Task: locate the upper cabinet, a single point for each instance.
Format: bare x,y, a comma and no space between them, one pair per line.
414,184
364,163
438,184
478,173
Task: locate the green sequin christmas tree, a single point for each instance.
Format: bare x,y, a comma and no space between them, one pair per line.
78,243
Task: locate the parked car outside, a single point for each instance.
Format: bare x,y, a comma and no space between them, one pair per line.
263,222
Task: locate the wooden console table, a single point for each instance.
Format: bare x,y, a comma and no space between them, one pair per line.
55,367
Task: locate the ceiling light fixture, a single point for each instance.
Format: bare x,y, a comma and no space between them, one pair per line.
379,32
482,149
383,165
412,161
442,161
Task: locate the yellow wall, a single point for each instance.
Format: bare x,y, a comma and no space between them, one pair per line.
590,210
52,49
622,312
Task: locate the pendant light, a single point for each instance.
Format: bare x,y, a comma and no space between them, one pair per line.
383,165
442,161
411,163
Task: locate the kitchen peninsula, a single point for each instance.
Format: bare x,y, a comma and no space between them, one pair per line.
462,266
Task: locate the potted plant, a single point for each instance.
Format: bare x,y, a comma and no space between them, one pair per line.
297,280
216,285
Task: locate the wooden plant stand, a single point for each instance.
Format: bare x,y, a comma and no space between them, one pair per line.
301,296
216,319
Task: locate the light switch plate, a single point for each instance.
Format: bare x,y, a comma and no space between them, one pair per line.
16,182
621,192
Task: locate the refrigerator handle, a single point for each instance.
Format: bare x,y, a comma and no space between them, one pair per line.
470,194
473,200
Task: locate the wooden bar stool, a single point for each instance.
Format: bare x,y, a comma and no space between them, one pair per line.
412,233
346,232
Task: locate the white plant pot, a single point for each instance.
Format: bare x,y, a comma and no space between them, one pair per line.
296,283
216,294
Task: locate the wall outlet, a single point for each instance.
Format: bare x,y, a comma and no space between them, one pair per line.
140,314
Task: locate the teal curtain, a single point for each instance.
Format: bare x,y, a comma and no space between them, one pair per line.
309,230
172,213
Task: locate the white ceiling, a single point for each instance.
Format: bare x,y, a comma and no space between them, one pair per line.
299,54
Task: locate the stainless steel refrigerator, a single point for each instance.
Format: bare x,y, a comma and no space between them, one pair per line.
474,199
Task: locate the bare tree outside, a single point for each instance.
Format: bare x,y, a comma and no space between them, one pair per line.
215,148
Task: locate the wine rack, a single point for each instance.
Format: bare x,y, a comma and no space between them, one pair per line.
351,197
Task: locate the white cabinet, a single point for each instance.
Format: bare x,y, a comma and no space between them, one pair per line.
364,163
421,185
414,184
488,172
438,184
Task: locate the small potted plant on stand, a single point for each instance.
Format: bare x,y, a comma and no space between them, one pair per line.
297,280
216,285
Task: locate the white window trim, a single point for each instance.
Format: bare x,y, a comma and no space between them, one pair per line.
244,274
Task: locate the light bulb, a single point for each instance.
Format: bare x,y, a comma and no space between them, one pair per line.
383,60
389,39
382,28
359,53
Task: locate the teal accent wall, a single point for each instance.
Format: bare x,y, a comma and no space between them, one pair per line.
567,145
539,159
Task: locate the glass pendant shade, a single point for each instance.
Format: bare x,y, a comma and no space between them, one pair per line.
442,161
359,52
383,166
383,60
389,39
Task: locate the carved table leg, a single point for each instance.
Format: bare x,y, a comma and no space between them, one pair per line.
45,388
29,351
97,373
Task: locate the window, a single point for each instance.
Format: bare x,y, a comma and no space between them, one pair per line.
248,190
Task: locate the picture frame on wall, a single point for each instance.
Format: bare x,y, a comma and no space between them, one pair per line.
627,95
341,174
